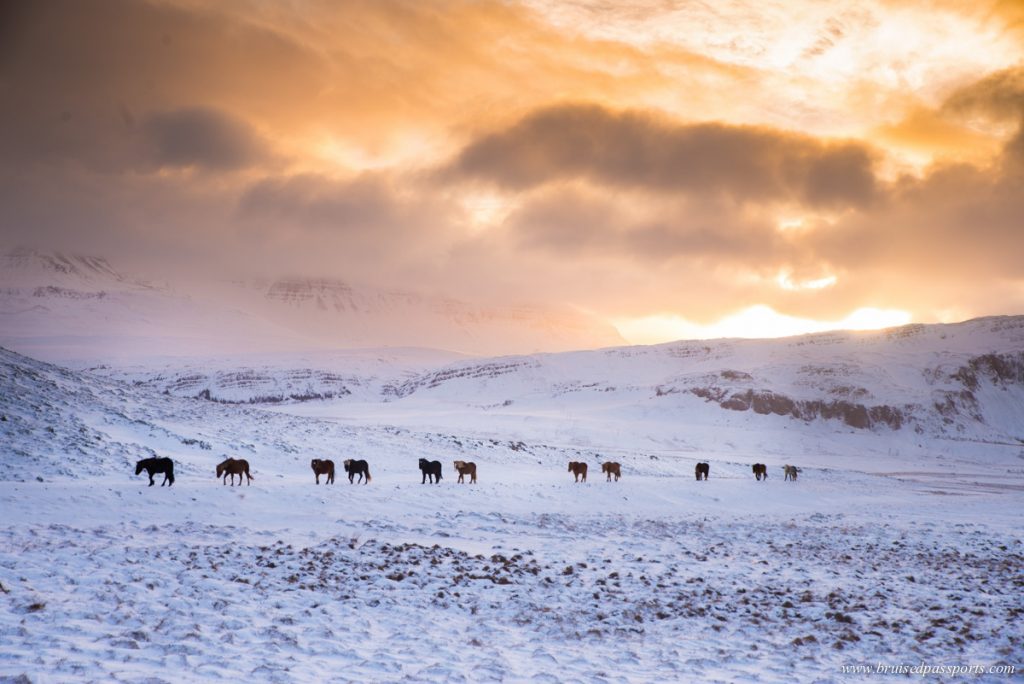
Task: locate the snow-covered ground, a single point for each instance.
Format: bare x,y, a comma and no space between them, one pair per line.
895,547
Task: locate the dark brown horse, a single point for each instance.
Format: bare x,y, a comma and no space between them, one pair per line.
431,469
464,468
157,465
701,470
760,470
360,468
232,467
325,467
579,470
611,468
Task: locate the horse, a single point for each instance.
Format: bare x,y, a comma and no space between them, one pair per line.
701,470
760,470
157,465
579,470
791,472
464,468
360,468
431,469
611,468
232,467
325,467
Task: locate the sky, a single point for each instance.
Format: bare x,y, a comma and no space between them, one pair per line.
679,169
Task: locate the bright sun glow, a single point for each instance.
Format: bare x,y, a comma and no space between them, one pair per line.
757,321
786,282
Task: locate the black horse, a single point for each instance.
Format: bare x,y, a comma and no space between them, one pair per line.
157,465
360,468
701,471
431,469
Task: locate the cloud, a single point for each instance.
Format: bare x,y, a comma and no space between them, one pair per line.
575,222
354,139
78,77
203,137
638,150
1000,94
371,225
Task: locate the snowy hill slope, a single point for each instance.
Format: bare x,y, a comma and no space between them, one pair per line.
960,382
62,308
655,578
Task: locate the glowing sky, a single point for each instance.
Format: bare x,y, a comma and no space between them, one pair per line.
680,169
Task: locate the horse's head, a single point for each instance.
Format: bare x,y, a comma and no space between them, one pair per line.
572,465
138,467
424,463
221,467
347,463
314,463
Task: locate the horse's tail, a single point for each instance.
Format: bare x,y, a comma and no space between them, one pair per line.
170,476
368,478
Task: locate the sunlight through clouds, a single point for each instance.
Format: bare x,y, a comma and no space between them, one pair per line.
754,322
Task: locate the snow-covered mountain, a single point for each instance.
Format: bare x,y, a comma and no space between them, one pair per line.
62,307
958,381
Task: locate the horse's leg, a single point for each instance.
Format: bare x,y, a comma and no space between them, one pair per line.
151,480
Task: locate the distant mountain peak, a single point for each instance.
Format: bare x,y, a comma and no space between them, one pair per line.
82,266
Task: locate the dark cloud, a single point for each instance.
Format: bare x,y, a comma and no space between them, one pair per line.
203,137
319,203
1000,94
573,223
638,150
76,78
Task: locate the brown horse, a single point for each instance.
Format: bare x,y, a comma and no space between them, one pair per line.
760,470
325,467
791,472
701,470
464,468
611,468
232,467
579,470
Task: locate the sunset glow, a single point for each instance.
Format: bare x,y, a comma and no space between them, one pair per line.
757,321
687,169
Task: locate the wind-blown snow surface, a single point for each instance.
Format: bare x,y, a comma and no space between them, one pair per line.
525,576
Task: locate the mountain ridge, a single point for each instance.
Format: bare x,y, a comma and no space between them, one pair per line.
63,307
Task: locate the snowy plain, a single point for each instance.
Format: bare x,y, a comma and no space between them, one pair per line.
895,546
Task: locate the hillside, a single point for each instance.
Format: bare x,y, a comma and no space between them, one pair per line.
958,382
105,578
